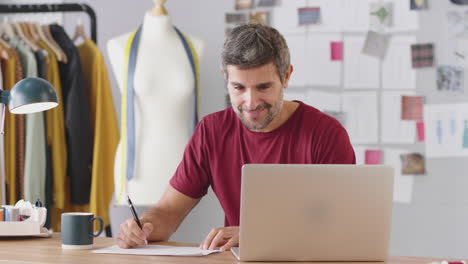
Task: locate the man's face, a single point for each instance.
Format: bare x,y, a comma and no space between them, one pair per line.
256,95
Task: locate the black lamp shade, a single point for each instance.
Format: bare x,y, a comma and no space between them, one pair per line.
32,95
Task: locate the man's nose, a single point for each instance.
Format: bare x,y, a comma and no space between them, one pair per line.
252,99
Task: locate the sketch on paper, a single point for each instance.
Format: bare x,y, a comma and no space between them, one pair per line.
450,78
412,163
381,15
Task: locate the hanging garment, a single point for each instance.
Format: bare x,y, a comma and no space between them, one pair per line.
105,129
55,129
127,131
77,120
9,79
2,144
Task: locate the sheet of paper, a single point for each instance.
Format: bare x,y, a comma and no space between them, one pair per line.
285,17
373,156
336,50
446,130
403,184
412,107
397,69
323,101
309,15
380,15
157,250
297,50
330,16
450,78
359,153
355,15
322,71
422,55
376,44
360,71
361,110
420,131
404,19
418,4
413,163
294,94
393,128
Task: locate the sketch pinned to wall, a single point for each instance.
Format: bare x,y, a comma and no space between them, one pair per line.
376,44
403,184
360,71
322,71
412,163
394,130
422,55
336,48
445,130
309,15
268,3
412,107
450,78
458,22
397,72
361,110
381,15
244,4
235,18
373,157
261,17
418,4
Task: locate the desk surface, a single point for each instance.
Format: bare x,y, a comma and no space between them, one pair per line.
49,250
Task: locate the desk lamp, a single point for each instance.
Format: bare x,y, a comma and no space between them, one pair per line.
27,96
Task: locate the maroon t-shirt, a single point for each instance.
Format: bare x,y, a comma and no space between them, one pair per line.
221,144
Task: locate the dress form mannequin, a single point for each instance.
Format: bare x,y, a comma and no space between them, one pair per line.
163,88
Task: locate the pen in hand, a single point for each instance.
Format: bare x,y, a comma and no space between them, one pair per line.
135,216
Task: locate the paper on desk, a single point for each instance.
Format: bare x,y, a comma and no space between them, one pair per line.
157,250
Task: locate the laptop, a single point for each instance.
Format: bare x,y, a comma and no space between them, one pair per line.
302,212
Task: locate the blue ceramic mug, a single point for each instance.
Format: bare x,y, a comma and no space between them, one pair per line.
77,230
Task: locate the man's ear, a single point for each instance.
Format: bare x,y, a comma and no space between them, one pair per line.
287,76
223,72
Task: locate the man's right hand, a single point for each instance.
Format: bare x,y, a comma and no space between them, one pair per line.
130,235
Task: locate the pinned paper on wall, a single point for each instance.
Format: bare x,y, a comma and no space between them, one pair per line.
381,15
450,78
403,184
361,110
268,3
291,95
418,4
446,130
359,153
422,55
235,18
457,22
338,115
309,15
321,71
296,44
412,107
360,71
412,163
397,70
373,156
393,129
260,17
323,101
376,44
336,50
420,131
244,4
284,17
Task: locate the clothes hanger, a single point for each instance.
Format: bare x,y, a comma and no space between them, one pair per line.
42,37
3,52
23,37
158,9
79,32
8,30
63,57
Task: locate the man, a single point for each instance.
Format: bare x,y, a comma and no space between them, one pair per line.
260,127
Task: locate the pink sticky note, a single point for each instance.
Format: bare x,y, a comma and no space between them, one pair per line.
420,130
373,156
336,50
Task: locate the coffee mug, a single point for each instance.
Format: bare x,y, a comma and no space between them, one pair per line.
77,230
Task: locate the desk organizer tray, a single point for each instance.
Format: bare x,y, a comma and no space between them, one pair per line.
17,229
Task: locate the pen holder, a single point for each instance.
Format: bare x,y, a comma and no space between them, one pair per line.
77,230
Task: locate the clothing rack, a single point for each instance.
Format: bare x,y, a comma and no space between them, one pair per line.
46,8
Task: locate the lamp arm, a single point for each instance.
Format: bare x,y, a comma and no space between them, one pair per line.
4,97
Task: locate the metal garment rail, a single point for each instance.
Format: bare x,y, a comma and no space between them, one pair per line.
46,8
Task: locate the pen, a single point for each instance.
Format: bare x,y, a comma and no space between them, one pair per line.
135,216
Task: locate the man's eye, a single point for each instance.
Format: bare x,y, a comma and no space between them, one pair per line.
237,87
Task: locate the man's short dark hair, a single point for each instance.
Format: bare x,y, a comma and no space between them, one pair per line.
253,45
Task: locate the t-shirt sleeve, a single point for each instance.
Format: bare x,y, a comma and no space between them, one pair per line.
192,176
335,148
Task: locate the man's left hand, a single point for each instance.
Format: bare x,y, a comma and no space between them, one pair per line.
224,237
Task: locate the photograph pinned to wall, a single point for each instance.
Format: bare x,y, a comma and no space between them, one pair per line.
422,55
457,22
418,4
412,163
336,48
376,44
268,3
244,4
373,157
338,115
381,15
450,78
412,107
235,18
420,131
260,17
309,15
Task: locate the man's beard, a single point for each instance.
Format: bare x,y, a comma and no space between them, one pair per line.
272,111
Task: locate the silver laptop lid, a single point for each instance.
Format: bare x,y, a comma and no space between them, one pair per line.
315,212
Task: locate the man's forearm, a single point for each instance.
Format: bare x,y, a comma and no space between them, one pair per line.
163,224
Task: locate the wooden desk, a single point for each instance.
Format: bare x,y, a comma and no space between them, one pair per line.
49,250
